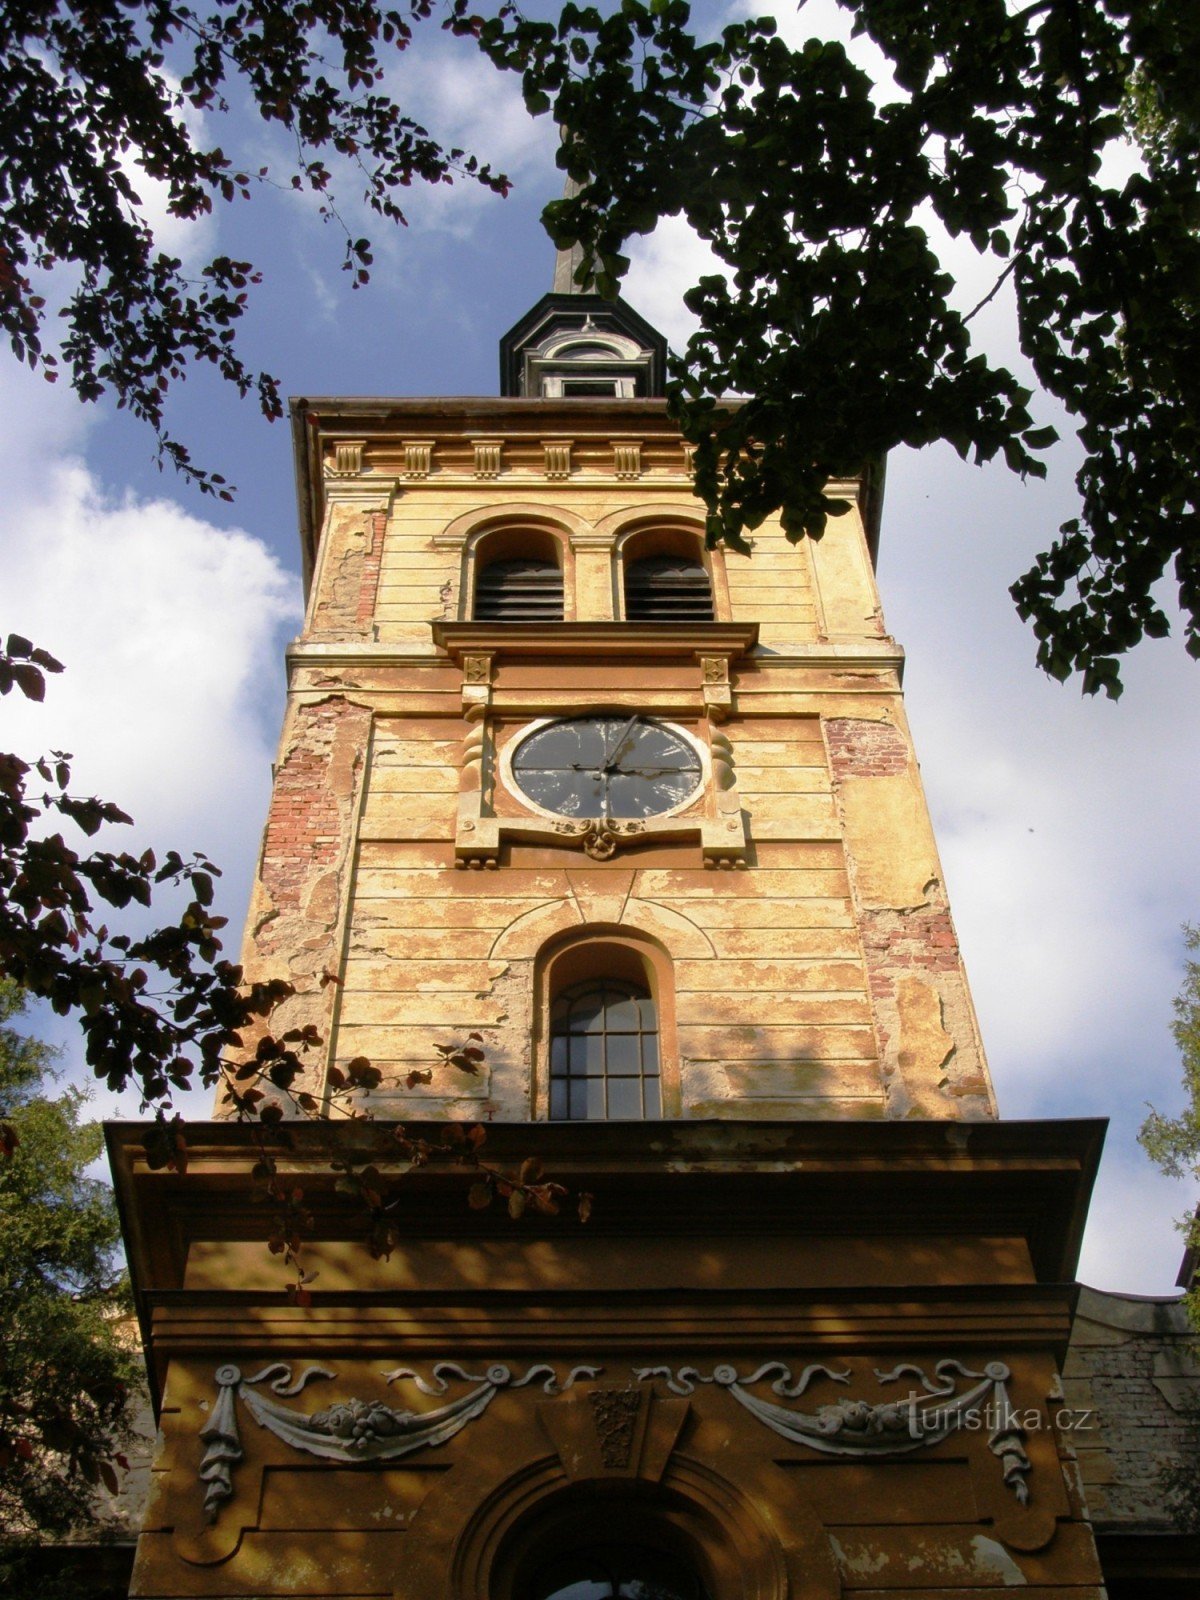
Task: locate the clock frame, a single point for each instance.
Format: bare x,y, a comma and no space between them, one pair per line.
626,767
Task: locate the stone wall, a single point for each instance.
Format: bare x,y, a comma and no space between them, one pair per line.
1132,1378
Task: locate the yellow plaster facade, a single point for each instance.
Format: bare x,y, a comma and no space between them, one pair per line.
822,1197
811,968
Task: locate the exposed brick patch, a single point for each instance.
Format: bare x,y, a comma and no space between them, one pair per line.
1133,1422
862,749
306,829
368,588
297,905
920,939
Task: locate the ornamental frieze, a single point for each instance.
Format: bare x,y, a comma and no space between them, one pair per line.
355,1430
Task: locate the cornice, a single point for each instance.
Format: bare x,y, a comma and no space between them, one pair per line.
596,639
873,653
368,493
828,1181
359,652
866,654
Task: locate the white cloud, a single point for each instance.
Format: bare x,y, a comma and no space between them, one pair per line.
464,103
170,630
1066,830
1130,1245
663,265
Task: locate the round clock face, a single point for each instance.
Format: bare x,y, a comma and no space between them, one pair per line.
607,766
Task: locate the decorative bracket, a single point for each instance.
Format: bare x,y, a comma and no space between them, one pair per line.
347,458
418,458
557,457
488,457
724,841
627,458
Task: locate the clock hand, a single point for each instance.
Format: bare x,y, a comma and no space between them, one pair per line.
619,745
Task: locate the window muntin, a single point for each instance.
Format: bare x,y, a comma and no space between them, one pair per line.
604,1058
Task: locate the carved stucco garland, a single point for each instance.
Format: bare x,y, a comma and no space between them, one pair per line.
892,1427
360,1430
350,1430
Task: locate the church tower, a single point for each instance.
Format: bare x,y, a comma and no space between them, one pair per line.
614,848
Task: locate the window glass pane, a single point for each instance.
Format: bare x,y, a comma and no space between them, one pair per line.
624,1056
652,1099
622,1012
616,1572
603,1040
587,1013
587,1055
625,1099
579,1098
573,1579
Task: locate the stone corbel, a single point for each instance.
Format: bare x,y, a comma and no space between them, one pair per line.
718,694
418,458
489,455
347,459
557,457
723,840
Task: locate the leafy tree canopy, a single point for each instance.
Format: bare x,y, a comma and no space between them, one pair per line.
65,1377
94,99
814,187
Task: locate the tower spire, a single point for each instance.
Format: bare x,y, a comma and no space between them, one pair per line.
568,262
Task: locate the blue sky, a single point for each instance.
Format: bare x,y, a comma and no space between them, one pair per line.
1066,826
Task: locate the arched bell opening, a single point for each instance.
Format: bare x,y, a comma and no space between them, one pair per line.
665,574
517,575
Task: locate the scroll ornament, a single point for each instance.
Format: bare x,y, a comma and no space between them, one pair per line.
893,1427
350,1431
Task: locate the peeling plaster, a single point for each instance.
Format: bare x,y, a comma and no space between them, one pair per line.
993,1559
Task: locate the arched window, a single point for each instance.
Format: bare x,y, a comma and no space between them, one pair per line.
604,1058
519,591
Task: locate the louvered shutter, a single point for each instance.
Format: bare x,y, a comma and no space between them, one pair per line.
519,591
667,589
